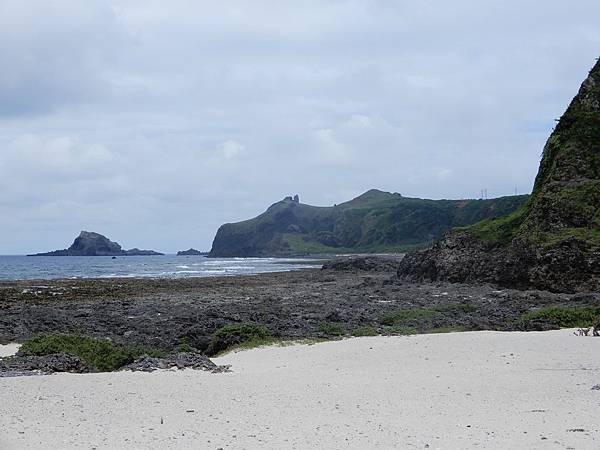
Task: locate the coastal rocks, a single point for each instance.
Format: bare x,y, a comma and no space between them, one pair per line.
364,263
183,360
169,313
94,244
568,266
36,365
191,252
461,258
19,365
551,243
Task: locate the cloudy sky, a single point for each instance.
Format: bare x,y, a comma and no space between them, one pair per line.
154,122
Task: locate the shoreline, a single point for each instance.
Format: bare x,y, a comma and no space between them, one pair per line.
424,391
164,313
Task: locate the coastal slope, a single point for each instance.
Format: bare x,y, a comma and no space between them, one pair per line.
553,241
375,221
93,244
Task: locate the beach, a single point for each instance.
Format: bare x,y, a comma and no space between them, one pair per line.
438,391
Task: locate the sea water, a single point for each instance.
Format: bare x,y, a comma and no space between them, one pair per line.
168,266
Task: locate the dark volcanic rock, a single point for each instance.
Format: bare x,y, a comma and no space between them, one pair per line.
551,243
191,252
195,361
94,244
166,313
459,257
32,365
364,263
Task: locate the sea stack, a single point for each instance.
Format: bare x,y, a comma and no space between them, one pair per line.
551,243
191,252
89,243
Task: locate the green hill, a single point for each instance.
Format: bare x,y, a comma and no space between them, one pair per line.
376,221
553,241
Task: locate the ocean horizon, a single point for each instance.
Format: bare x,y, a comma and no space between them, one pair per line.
21,267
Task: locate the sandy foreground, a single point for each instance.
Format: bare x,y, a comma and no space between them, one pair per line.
446,391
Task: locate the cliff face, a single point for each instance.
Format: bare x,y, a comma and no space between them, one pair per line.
552,242
376,221
94,244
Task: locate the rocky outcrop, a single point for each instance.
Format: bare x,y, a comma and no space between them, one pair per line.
374,222
363,264
552,242
191,252
94,244
37,365
183,360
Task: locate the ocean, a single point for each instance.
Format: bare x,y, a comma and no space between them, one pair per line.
168,266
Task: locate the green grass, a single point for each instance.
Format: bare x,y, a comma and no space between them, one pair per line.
185,348
501,230
561,317
302,244
240,336
102,355
365,331
589,235
331,328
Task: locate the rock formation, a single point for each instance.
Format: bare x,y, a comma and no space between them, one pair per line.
552,242
191,252
94,244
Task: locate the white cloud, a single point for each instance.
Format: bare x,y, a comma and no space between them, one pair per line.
166,119
230,149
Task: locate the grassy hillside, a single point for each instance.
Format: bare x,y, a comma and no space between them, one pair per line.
376,221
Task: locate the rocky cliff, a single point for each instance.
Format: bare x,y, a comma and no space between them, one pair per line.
94,244
376,221
552,242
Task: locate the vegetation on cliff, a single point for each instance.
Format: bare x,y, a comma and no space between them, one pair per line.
553,241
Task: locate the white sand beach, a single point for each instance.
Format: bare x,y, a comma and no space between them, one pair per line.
445,391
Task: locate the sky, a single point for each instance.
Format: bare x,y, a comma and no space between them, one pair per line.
155,122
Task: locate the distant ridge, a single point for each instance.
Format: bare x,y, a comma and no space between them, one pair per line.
93,244
375,221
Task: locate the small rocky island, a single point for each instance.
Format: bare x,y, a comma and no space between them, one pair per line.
191,252
93,244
